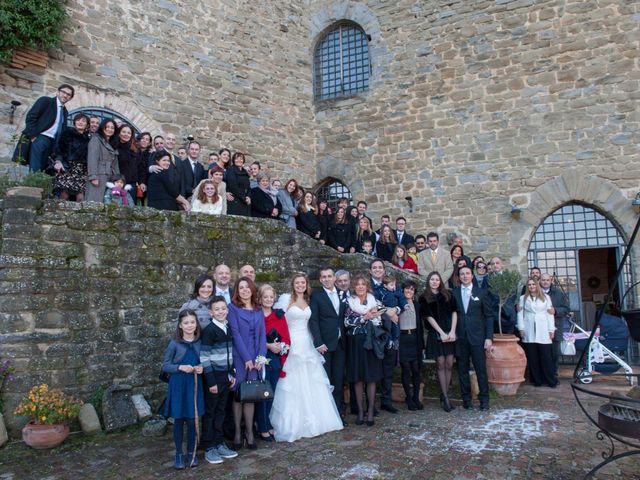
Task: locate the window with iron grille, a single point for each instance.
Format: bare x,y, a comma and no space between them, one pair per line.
102,113
333,190
341,62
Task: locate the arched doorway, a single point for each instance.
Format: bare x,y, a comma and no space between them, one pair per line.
333,190
581,247
102,113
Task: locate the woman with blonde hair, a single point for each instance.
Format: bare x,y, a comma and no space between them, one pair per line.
205,198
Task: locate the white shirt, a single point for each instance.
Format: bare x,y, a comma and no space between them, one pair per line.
223,326
333,296
51,132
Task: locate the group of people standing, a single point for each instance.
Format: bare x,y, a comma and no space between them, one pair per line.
309,344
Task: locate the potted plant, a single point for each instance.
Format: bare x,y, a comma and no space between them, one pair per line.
506,361
48,410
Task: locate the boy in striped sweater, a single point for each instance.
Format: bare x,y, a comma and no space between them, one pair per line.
216,357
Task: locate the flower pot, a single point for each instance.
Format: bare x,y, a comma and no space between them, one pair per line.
397,392
44,436
506,363
632,317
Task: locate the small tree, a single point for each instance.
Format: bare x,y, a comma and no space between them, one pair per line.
503,285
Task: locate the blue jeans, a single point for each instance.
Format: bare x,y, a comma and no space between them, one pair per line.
39,153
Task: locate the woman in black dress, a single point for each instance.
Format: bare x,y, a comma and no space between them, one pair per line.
386,245
306,219
363,367
144,149
264,199
163,192
131,167
322,215
439,311
340,233
411,346
237,178
71,160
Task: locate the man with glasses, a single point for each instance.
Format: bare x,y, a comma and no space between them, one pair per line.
402,237
421,243
43,126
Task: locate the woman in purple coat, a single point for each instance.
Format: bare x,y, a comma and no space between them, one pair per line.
249,341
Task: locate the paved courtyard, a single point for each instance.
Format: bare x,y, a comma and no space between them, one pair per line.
539,434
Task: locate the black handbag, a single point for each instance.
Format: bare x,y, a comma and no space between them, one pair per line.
164,377
255,391
273,336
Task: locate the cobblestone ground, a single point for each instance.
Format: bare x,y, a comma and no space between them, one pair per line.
539,434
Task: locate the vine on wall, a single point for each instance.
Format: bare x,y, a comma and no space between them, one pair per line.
30,23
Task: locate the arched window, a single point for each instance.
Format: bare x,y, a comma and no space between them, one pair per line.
333,190
102,113
341,62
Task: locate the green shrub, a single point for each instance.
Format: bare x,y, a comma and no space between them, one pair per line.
39,180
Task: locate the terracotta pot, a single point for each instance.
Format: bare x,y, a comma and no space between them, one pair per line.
506,363
397,392
44,436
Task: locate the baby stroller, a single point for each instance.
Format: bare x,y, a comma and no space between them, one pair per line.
606,350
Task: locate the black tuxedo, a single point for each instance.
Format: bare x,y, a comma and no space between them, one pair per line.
473,328
190,178
406,238
327,328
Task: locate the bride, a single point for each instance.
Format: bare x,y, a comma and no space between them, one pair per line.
302,404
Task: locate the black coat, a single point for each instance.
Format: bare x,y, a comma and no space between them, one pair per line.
326,326
406,238
190,178
323,220
162,190
340,235
42,116
238,185
476,325
363,237
262,204
130,165
384,251
72,148
307,222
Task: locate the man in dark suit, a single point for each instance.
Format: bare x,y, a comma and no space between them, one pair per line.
560,312
43,126
475,335
191,171
222,277
327,329
402,237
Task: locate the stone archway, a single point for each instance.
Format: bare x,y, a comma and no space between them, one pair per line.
592,190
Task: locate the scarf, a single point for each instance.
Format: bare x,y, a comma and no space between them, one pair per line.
120,192
272,192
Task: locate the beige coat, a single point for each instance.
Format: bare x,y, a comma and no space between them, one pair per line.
443,264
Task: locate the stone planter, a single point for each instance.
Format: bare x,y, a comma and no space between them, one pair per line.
44,436
506,363
397,392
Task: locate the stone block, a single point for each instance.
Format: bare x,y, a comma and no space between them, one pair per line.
23,197
118,410
89,421
156,427
142,407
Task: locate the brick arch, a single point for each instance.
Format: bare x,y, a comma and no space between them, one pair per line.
325,14
591,190
345,172
124,105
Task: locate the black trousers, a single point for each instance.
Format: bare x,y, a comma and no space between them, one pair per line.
540,361
215,407
334,365
555,352
475,353
388,365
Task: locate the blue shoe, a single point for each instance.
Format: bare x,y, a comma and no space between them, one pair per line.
226,452
179,464
190,460
211,455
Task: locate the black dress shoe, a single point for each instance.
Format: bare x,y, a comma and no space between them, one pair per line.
411,405
389,408
484,406
467,405
418,404
370,423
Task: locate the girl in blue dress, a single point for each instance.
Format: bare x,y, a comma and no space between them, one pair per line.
185,400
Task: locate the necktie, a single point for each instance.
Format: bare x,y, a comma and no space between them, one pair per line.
466,294
434,256
399,237
61,123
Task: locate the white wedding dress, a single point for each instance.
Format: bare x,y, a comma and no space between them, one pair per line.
302,404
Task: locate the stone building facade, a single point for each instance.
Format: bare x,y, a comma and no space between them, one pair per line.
488,115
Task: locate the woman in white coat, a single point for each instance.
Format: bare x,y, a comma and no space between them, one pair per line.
537,328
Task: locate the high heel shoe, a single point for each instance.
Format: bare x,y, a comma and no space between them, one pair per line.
371,423
446,406
250,445
360,421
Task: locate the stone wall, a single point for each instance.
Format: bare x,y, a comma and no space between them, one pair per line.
474,105
229,72
89,293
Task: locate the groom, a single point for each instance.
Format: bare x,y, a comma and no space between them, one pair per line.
327,329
